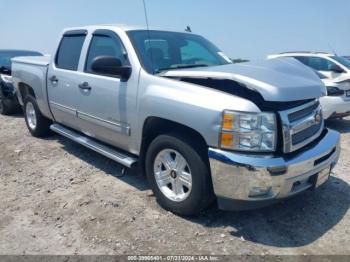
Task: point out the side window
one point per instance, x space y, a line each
68 54
321 64
105 46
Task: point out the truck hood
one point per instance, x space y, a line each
277 79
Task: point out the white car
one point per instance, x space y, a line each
337 102
332 66
335 74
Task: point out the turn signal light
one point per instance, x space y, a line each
227 121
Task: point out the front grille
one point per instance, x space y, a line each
305 134
301 125
303 112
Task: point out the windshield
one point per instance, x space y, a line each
6 56
160 50
342 60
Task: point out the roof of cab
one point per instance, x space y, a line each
18 50
122 27
302 53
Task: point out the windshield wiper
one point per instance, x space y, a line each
180 67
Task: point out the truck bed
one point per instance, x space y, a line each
33 60
32 71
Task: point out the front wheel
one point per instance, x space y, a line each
179 175
38 125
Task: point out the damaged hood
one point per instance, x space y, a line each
275 79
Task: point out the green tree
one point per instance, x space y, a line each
239 60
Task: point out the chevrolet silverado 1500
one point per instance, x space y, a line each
203 129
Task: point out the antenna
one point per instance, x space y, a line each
149 35
145 10
329 45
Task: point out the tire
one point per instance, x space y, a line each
199 195
4 109
37 124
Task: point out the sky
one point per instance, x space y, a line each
249 29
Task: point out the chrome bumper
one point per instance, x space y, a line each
243 181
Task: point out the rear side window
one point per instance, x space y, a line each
69 52
105 46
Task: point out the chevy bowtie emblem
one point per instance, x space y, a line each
318 117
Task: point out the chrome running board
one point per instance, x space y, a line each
105 150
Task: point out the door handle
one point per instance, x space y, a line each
53 79
85 86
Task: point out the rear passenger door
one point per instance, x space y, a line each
102 107
63 79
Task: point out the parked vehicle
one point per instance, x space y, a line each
246 135
335 74
332 66
336 104
8 98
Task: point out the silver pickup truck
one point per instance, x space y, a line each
202 128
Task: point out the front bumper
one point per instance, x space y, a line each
243 181
334 106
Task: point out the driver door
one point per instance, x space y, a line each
102 103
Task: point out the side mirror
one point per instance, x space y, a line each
336 69
111 66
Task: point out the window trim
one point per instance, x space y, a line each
75 32
105 33
71 33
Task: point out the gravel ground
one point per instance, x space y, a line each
60 198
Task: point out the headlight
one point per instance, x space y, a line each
6 78
334 91
256 132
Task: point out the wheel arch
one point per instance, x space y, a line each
155 126
25 90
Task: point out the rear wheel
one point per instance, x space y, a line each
38 125
179 175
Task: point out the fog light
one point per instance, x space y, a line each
227 139
277 171
259 191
